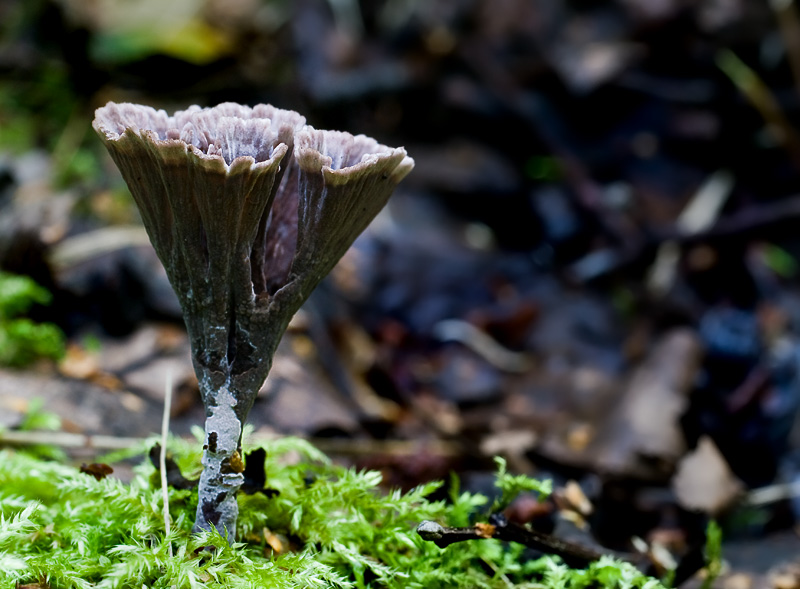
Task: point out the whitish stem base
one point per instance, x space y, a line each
222 467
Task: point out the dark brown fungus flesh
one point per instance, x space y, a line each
248 209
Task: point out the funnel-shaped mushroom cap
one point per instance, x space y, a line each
203 180
230 229
345 181
218 135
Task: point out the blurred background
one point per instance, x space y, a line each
592 270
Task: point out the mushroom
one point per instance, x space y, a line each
248 209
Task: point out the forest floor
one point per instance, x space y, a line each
593 270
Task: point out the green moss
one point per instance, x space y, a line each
512 485
335 526
22 340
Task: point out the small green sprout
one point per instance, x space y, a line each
512 485
713 554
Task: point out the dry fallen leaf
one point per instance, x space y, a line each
704 481
97 469
79 363
574 494
273 541
82 364
647 421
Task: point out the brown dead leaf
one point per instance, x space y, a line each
79 363
508 441
107 381
580 436
738 581
577 498
170 338
786 577
97 469
273 542
646 422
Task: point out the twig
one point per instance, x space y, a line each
162 457
68 440
546 124
699 215
80 248
751 220
572 554
356 447
763 100
347 447
482 344
789 25
773 493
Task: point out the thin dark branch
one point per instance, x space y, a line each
749 222
500 528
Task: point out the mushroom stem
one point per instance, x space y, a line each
229 389
222 463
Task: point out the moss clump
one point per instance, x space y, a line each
21 340
328 527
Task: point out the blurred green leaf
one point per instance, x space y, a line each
543 167
779 260
195 42
18 294
36 418
21 340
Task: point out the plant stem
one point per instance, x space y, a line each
162 457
